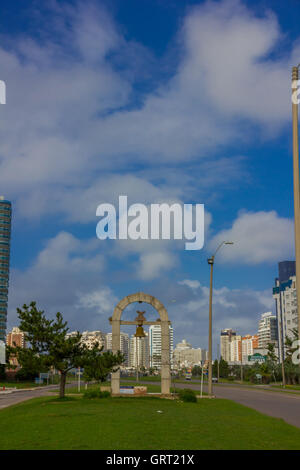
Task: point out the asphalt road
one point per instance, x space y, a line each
23 395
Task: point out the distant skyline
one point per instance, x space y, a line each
184 101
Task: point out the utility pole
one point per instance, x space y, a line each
241 358
281 350
137 359
218 362
79 373
295 79
211 261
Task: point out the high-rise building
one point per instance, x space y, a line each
285 295
155 345
267 330
227 336
90 338
15 337
124 345
241 347
236 349
249 344
139 351
187 356
5 230
286 269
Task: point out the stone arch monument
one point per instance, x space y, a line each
163 320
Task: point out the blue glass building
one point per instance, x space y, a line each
5 230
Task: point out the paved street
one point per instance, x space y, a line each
17 397
23 395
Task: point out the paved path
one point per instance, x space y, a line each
23 395
17 397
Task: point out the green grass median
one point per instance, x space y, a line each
141 423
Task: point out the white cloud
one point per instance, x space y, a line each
65 269
102 300
71 276
239 309
228 48
71 112
152 265
190 283
258 237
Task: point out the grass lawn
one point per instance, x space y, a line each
288 387
134 423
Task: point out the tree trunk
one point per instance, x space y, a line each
63 377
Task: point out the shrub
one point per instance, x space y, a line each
266 378
25 375
187 395
96 394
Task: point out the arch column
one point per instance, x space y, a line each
165 358
115 376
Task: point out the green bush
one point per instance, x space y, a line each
266 378
187 395
96 394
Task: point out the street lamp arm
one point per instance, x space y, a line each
212 258
221 244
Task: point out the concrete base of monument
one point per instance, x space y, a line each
206 396
168 396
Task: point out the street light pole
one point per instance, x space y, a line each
218 363
295 78
211 263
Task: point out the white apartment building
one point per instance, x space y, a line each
227 336
235 349
90 338
155 345
187 356
124 345
285 296
139 351
249 346
267 330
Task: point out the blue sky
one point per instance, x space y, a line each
183 101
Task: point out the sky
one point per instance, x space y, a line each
163 101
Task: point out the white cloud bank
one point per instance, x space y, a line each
72 112
258 237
